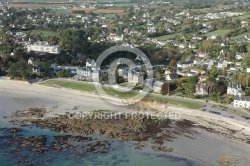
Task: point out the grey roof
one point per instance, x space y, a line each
90 60
185 62
242 98
234 85
85 69
190 72
221 61
208 60
173 76
239 53
158 83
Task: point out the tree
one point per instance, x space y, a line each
118 78
104 77
190 86
211 82
165 88
172 63
221 88
246 59
20 69
46 68
157 75
62 73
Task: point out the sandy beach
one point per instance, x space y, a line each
227 139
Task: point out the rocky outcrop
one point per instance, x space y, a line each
126 128
32 112
18 146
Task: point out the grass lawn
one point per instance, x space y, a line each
45 33
165 37
87 87
187 104
159 23
70 84
60 11
218 32
109 15
243 17
124 4
241 35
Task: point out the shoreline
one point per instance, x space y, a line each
64 100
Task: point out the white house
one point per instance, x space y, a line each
201 89
184 65
115 37
43 47
31 61
234 89
248 69
198 71
135 77
222 64
196 37
239 55
123 72
209 63
84 72
242 101
157 86
90 63
20 35
247 37
192 45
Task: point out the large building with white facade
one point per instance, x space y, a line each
242 101
43 47
234 89
135 77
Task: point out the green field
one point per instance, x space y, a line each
218 32
72 85
60 11
44 33
165 37
241 36
109 15
186 104
243 17
87 87
124 4
113 1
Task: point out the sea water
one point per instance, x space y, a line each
122 153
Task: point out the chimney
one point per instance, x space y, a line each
240 95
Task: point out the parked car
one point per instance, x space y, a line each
247 118
214 112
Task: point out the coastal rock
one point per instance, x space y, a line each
32 112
